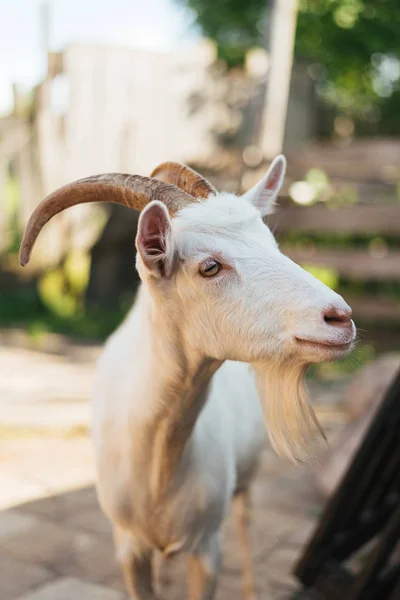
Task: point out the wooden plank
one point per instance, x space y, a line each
358 265
380 219
363 160
374 308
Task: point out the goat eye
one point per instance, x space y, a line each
209 268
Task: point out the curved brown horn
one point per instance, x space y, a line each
185 178
134 191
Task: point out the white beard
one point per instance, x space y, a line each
292 425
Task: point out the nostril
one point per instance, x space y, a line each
337 318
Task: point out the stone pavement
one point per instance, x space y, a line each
58 545
44 420
60 548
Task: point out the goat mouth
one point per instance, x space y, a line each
327 347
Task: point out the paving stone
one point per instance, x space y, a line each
59 507
279 566
73 589
115 581
91 520
90 558
271 465
292 492
45 544
268 529
229 588
284 591
65 551
15 522
17 578
300 535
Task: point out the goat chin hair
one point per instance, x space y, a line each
292 425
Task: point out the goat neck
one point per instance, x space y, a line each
178 379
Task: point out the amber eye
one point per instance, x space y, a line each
209 268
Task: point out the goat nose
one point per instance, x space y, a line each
338 317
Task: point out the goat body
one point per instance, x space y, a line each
155 501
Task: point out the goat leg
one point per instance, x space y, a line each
136 563
160 572
203 570
241 512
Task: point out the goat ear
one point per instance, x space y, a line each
154 239
265 192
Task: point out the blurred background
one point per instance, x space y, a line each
93 86
90 87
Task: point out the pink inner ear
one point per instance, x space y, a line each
273 178
153 232
152 239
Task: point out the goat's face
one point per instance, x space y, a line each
237 296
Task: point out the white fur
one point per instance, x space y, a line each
177 423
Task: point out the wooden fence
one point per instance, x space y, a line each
366 262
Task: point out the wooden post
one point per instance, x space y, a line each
283 30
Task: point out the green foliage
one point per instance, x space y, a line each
56 304
62 289
235 25
328 276
16 306
353 47
25 308
53 290
318 179
11 195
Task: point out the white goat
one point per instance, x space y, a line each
177 422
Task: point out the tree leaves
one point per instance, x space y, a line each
345 37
